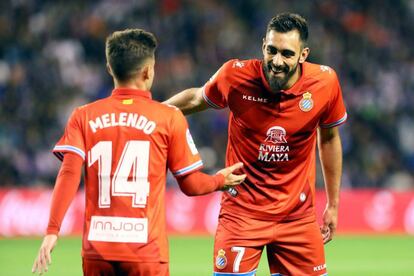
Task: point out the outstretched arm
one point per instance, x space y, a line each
198 183
189 101
330 154
67 183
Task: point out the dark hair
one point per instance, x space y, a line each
286 22
126 51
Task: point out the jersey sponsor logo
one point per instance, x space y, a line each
221 260
191 143
118 229
319 267
123 119
274 148
306 103
254 99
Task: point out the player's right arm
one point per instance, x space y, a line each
189 101
212 95
185 162
199 183
67 183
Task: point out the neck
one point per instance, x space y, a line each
131 85
295 77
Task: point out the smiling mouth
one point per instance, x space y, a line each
276 71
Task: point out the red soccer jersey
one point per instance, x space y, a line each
128 141
274 136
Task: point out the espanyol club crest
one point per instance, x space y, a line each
221 260
306 103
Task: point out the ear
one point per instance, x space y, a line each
263 44
145 72
304 54
108 68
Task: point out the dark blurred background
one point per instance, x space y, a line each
52 60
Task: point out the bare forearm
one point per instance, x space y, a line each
330 154
189 101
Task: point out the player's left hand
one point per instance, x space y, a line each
330 220
43 259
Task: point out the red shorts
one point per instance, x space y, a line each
293 247
94 267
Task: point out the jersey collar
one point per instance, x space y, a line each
131 92
296 89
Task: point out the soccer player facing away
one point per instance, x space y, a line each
280 108
125 143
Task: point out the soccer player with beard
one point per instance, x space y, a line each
281 107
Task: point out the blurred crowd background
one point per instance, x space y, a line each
52 60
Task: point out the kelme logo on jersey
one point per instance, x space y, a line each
306 104
274 147
221 260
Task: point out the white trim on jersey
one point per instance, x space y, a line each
340 121
250 273
60 150
188 169
210 102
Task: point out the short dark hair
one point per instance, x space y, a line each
286 22
126 51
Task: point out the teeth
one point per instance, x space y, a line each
276 71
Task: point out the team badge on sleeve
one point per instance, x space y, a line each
306 103
221 260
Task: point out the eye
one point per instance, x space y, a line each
271 50
288 53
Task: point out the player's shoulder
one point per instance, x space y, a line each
163 112
238 68
320 72
240 65
95 105
165 108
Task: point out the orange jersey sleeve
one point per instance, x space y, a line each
216 90
335 113
198 183
72 139
67 183
183 156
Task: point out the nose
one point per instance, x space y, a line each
277 59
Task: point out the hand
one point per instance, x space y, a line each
330 221
231 179
43 259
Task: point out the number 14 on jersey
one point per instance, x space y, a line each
134 161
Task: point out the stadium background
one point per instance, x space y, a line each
52 59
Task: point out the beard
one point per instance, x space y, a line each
277 83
